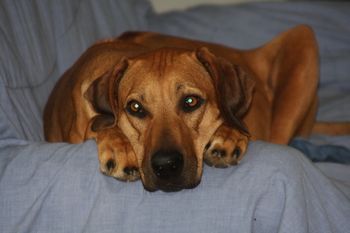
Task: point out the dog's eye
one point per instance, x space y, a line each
191 103
136 109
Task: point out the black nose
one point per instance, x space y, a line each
167 165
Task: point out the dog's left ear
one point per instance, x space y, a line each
102 95
233 87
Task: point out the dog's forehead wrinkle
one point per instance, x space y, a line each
179 86
141 90
158 60
142 97
138 96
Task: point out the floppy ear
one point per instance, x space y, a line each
233 87
102 95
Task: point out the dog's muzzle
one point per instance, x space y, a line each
170 170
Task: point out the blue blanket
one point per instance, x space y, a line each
322 153
274 189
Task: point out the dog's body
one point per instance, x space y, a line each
157 105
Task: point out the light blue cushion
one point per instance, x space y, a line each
59 189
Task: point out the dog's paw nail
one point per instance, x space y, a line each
207 146
236 153
110 165
131 171
218 153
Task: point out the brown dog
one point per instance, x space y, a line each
158 105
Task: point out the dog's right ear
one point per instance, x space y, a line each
102 93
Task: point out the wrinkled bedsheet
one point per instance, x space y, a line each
56 187
275 189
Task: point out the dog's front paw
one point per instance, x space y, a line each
226 147
116 156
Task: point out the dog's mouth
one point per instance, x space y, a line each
170 187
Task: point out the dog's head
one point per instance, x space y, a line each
168 103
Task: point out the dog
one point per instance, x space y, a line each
158 105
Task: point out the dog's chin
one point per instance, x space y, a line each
170 187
